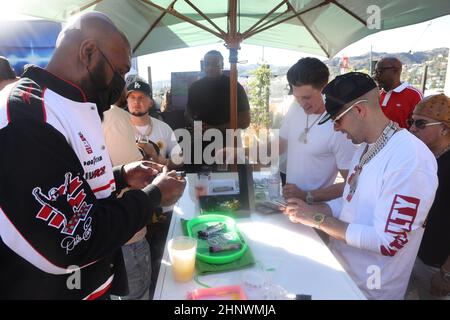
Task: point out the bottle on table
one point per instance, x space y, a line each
274 184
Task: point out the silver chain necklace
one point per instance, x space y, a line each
142 137
304 136
443 151
369 154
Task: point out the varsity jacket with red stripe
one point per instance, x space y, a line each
61 225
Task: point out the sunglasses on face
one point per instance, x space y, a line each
381 70
420 123
339 117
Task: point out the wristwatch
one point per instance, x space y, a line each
318 218
445 275
309 198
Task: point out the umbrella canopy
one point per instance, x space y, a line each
320 27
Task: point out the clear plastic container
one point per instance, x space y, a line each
202 184
274 184
255 285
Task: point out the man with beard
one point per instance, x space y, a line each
157 143
397 99
119 134
122 149
53 147
154 137
376 227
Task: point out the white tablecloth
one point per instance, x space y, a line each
292 255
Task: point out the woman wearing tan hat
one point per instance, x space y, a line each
430 278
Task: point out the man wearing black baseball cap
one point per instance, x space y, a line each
376 227
157 142
155 137
139 85
344 89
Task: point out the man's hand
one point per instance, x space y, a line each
170 186
439 287
141 173
290 190
299 211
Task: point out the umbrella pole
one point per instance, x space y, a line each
233 42
233 48
233 87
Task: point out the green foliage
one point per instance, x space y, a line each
259 92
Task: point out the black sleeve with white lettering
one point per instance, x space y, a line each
50 215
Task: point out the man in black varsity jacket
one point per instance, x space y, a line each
59 216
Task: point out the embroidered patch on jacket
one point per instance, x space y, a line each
63 206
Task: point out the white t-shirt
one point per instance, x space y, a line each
119 137
314 165
163 136
394 193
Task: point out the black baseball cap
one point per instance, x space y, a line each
344 89
139 85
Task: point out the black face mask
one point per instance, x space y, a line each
107 97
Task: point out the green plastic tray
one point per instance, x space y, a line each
203 254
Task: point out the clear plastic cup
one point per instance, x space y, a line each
182 251
277 292
255 285
202 184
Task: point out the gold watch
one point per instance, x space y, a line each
318 218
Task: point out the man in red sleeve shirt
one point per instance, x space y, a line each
397 99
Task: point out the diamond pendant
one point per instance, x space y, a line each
303 137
